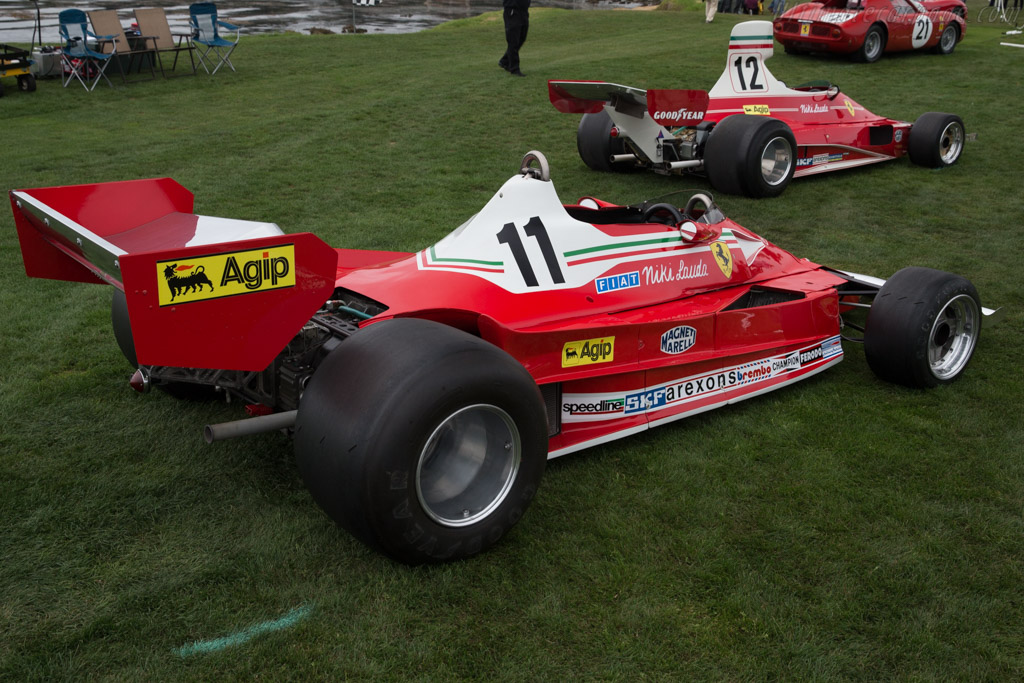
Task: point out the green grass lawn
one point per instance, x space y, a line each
843 528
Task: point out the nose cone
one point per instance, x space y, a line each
139 382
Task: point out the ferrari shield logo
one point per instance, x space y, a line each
723 257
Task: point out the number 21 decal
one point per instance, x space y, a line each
922 31
534 228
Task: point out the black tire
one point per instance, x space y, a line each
736 152
936 140
27 83
596 145
373 425
187 391
947 41
873 46
1 89
922 328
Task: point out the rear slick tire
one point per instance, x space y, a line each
922 328
423 441
936 140
750 155
596 145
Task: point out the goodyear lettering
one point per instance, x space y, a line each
678 339
757 109
198 278
588 352
682 114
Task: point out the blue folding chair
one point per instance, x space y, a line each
78 60
206 32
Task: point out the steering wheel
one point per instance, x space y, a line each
660 207
542 172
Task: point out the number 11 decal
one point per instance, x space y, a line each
534 228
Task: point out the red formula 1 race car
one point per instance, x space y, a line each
867 28
751 134
426 391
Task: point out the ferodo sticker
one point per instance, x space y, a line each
757 109
588 352
198 278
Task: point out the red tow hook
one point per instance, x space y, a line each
140 382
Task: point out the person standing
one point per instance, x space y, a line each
710 8
517 21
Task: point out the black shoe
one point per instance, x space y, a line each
502 64
517 72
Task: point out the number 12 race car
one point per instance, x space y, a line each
426 391
751 134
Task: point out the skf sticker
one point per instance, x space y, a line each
723 257
216 276
757 109
849 107
588 352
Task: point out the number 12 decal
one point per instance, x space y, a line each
750 64
534 228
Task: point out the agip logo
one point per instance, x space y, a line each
588 352
220 275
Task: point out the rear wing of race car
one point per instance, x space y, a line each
667 107
202 291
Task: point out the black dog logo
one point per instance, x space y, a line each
184 285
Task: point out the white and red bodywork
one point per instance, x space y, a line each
831 129
840 26
624 324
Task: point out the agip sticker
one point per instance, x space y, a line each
588 352
216 276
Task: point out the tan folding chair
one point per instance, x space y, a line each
105 22
153 22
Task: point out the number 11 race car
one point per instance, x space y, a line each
425 391
751 134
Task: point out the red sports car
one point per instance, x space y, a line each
751 133
425 391
867 28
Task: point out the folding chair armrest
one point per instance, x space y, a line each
224 24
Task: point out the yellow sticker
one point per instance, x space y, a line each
723 257
849 107
198 278
588 352
805 29
757 109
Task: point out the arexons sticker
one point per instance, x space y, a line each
588 352
220 275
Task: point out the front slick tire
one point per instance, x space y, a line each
425 442
922 328
936 140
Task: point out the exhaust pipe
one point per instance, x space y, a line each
247 427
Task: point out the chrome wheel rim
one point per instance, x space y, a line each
468 465
948 39
776 161
953 336
951 142
872 45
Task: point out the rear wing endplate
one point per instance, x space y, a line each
202 291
